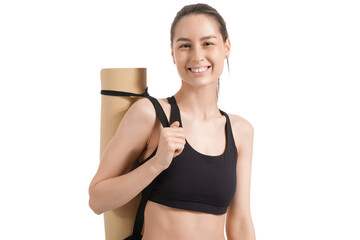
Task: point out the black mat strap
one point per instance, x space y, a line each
121 93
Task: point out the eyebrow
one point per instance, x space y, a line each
186 39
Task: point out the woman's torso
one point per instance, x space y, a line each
163 222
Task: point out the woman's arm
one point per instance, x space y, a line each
115 192
113 185
239 225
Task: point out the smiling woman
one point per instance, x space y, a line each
212 22
195 159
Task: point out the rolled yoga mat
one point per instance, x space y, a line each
119 222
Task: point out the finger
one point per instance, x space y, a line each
179 142
175 124
179 147
178 135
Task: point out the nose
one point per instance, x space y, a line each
197 54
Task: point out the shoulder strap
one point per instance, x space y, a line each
159 111
122 93
139 219
175 111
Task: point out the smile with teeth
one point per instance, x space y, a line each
202 69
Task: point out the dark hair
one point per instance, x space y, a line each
201 8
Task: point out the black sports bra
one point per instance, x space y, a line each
195 181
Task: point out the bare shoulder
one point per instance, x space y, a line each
243 130
147 109
144 109
143 106
143 113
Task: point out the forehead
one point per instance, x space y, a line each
196 26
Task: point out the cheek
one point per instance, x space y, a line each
218 60
218 52
180 57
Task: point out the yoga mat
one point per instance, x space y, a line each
119 222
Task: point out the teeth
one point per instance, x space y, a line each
199 69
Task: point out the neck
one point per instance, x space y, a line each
198 102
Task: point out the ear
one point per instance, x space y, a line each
172 52
227 47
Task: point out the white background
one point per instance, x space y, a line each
294 75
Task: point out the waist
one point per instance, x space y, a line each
161 221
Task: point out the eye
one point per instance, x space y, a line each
208 43
182 46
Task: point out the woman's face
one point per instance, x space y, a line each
198 46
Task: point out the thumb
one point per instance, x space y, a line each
175 124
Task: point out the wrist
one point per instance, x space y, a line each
155 166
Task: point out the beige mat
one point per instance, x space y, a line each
119 222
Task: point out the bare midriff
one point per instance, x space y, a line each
163 223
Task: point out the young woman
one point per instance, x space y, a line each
202 162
